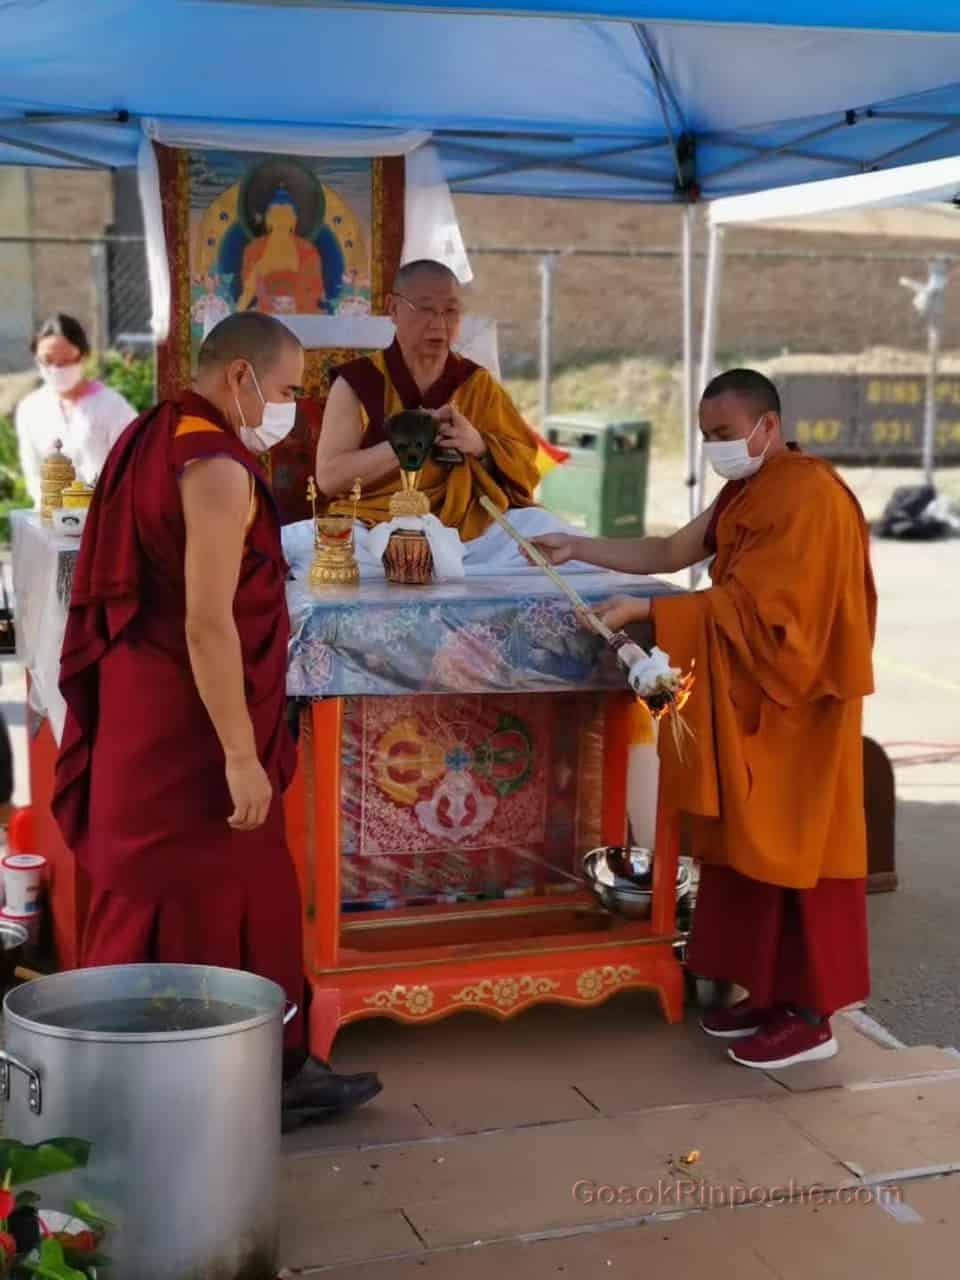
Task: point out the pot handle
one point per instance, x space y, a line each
291 1012
35 1097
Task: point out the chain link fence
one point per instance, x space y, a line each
577 324
587 328
102 281
830 320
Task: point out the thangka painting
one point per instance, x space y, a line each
299 237
460 798
289 236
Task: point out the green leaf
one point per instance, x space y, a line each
27 1164
52 1265
88 1215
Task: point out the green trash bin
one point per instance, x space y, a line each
602 487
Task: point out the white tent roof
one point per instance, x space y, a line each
916 201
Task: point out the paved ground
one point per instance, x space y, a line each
916 941
572 1144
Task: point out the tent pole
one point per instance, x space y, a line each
547 263
930 404
689 214
708 339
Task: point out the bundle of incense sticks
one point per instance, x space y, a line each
663 688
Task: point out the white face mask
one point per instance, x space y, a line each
61 378
731 459
278 420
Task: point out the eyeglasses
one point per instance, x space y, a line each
448 316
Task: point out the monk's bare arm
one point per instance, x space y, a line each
340 460
216 504
633 555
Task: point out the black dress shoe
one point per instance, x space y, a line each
326 1068
317 1092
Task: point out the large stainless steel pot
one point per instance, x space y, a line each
185 1124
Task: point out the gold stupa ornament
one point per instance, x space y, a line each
409 500
56 475
334 554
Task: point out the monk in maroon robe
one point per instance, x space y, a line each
176 751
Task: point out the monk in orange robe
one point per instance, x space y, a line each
772 783
485 446
176 751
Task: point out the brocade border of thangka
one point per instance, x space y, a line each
173 356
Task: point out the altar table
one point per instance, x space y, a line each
461 746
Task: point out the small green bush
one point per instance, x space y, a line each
131 375
13 492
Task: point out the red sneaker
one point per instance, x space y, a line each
785 1043
738 1020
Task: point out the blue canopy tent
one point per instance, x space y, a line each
657 100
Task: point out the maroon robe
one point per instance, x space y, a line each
368 385
140 790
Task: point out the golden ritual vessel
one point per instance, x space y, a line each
408 559
334 557
56 475
77 495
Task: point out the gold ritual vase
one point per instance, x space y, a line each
334 557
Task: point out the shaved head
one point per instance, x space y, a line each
425 267
758 391
246 362
249 335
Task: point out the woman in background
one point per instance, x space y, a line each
86 416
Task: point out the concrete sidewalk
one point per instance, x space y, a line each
496 1148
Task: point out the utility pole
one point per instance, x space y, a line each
929 301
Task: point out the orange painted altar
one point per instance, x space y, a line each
420 963
462 746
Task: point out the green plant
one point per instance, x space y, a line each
27 1248
131 375
13 491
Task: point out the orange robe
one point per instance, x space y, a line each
782 644
304 285
509 476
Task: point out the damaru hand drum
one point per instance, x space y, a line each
408 558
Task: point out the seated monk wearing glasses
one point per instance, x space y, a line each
484 447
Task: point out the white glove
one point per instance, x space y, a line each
647 671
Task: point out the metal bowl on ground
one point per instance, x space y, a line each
631 898
13 940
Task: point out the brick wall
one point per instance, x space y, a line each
606 305
67 203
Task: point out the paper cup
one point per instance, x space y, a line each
23 875
30 922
